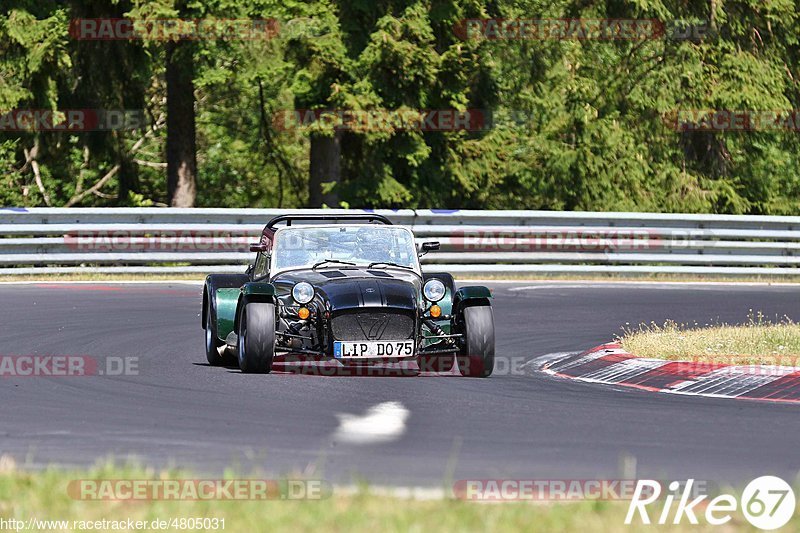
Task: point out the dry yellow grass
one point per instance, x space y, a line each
758 341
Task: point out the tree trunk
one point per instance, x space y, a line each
325 171
128 180
181 149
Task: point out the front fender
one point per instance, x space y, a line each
470 295
252 292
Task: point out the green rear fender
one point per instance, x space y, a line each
213 285
227 300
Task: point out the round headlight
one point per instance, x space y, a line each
303 293
433 290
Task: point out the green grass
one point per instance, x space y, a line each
758 341
43 495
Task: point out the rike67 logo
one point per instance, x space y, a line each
767 502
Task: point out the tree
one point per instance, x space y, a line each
181 147
571 124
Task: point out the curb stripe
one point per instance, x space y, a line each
783 388
722 383
627 370
610 364
673 373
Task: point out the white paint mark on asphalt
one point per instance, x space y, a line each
384 422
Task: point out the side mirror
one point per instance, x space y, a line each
429 247
258 247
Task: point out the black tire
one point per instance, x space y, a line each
256 343
212 342
476 359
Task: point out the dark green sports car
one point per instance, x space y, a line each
346 288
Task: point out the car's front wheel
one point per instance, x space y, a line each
256 337
476 359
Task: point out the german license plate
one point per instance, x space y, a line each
367 349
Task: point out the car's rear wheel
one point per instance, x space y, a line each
212 342
476 359
256 337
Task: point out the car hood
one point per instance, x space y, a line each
353 288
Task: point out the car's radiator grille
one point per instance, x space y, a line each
372 326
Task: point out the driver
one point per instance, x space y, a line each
373 245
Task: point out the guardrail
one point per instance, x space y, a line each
159 240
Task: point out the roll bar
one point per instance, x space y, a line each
366 217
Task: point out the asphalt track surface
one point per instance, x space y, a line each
520 425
